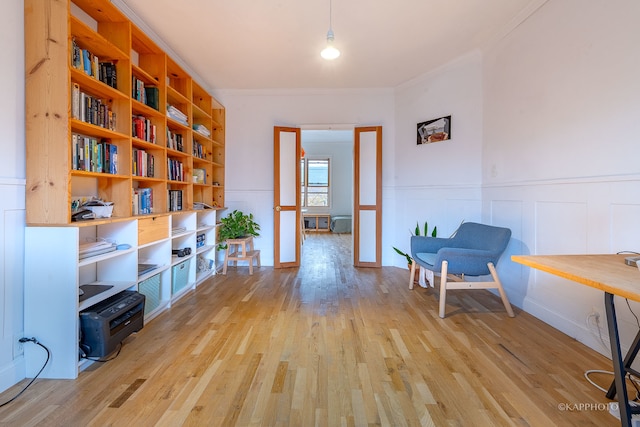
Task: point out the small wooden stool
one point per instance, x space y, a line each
240 250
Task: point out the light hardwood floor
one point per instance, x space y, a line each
328 345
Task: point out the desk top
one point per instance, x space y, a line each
608 273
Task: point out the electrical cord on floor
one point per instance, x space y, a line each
105 360
634 381
35 341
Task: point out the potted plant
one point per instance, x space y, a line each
236 225
434 233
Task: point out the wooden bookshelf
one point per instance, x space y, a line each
78 120
147 83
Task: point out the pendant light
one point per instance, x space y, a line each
330 52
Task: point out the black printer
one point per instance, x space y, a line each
105 325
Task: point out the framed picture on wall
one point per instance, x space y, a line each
435 130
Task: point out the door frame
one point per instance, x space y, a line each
356 209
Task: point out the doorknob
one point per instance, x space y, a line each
278 208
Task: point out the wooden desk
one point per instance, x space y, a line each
610 274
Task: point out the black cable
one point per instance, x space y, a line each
35 341
634 315
105 360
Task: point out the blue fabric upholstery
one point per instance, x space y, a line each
468 252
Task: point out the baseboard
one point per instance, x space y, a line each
577 331
12 373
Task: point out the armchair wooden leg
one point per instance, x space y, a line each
412 275
503 294
443 288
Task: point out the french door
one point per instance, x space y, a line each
286 197
367 209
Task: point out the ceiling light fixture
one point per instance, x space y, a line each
330 52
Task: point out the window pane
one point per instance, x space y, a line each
318 172
318 196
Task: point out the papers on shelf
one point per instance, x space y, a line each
95 248
202 129
201 205
177 115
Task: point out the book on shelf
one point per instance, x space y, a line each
199 150
75 100
142 201
85 60
175 200
175 170
174 141
143 163
152 94
91 109
143 128
89 154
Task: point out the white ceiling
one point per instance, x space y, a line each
276 44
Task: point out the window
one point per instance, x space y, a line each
314 183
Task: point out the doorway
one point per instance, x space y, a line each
326 187
367 196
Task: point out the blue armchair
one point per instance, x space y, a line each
474 250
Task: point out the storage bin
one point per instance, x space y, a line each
152 290
180 276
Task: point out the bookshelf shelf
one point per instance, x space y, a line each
94 41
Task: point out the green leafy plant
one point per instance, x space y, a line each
434 233
236 225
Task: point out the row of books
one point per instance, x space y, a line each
174 141
143 163
148 95
90 155
91 109
175 170
142 201
199 150
175 200
202 130
83 59
177 115
142 128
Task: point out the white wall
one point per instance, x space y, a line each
12 190
439 182
545 141
561 153
251 116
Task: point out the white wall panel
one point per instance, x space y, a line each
288 226
368 173
367 236
288 165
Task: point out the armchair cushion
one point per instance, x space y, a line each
468 252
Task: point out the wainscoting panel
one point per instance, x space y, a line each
12 224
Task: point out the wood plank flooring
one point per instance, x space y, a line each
328 345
